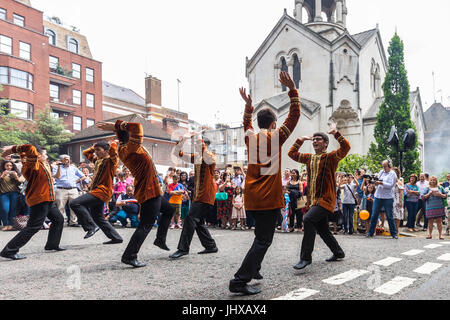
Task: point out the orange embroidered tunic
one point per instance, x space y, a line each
38 175
315 164
136 158
263 189
205 166
105 169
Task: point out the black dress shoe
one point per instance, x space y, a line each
161 245
13 256
336 257
207 251
258 276
113 242
133 262
59 249
244 289
302 264
91 233
178 254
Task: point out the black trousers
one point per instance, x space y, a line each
89 211
195 222
264 231
316 220
38 213
150 210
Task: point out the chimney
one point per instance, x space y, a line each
153 91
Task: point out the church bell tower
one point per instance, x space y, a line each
322 16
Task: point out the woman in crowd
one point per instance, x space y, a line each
10 181
435 209
286 177
238 212
128 177
225 207
295 187
398 199
85 184
168 179
286 210
186 200
412 194
349 202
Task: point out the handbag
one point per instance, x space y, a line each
20 222
356 201
301 203
221 196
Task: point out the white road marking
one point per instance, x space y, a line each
344 277
445 257
387 262
413 252
433 246
428 268
395 285
299 294
446 242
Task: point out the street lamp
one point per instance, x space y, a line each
409 142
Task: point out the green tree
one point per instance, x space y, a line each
395 110
48 132
9 135
355 162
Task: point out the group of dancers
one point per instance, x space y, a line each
263 197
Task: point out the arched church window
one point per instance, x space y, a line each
284 67
297 71
51 36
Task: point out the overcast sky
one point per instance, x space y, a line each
204 44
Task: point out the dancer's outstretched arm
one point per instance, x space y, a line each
294 153
344 145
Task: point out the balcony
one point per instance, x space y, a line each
66 103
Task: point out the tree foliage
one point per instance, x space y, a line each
48 132
9 135
395 110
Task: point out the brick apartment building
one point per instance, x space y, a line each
43 63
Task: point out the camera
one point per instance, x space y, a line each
372 178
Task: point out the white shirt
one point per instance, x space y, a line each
387 189
349 189
423 187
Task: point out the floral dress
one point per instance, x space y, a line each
224 208
435 208
398 211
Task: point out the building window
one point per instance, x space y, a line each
73 45
76 97
25 50
54 115
90 123
90 100
54 63
76 123
284 67
76 71
51 36
20 109
5 44
19 20
2 14
54 92
16 78
89 75
297 71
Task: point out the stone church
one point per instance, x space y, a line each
339 75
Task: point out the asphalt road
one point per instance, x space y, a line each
90 270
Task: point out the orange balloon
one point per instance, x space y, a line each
364 215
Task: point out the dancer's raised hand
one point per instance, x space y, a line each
247 98
286 80
105 126
6 151
333 129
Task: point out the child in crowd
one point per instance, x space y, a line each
238 212
369 196
176 192
287 200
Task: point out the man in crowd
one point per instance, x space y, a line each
384 198
128 208
322 188
263 190
238 178
148 190
40 198
66 179
203 198
89 207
